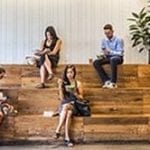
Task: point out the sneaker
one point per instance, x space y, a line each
112 86
106 84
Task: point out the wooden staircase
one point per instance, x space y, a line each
117 114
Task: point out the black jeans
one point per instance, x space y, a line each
113 61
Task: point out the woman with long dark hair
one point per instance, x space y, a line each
69 90
49 53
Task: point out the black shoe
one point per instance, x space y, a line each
50 76
57 135
40 86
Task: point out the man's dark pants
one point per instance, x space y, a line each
113 61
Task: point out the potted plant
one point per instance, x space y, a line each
140 29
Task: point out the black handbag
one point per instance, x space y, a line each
82 107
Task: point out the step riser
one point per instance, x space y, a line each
33 127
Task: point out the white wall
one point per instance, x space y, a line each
78 22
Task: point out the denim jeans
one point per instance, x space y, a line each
113 61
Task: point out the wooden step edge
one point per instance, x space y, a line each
119 116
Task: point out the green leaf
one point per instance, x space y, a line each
131 19
135 43
141 49
135 15
134 29
147 18
133 26
135 37
143 15
138 33
144 22
141 12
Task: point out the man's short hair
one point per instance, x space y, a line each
2 70
108 27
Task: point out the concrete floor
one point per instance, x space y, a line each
82 147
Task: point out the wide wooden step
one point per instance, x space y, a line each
36 126
28 76
102 101
36 101
33 127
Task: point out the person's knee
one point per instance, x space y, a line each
69 112
66 107
114 60
42 66
96 63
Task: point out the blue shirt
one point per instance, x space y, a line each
115 45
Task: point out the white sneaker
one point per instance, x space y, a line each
112 85
106 84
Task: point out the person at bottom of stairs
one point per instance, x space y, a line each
69 90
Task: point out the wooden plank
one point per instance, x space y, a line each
116 121
13 76
116 132
143 71
37 93
144 81
37 106
37 125
117 109
146 99
94 102
118 129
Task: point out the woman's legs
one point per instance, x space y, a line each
67 124
65 117
62 118
42 74
48 65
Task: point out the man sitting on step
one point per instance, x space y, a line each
112 48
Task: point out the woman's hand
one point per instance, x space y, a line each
60 83
37 52
107 52
42 52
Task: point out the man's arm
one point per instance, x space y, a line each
104 47
119 48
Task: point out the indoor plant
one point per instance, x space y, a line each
140 29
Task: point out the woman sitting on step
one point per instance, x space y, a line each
69 89
49 55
